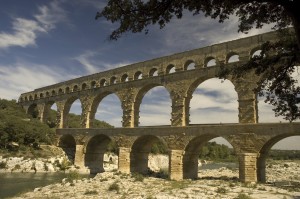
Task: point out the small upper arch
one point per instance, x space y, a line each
53 93
41 95
83 86
113 80
210 61
103 82
124 78
93 84
60 91
189 65
75 88
138 75
67 90
153 72
232 57
170 69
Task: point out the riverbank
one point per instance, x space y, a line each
217 183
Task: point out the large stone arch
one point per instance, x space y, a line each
138 100
96 102
67 107
95 148
191 154
263 154
46 113
200 81
68 144
140 150
33 110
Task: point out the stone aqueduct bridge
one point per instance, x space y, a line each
250 139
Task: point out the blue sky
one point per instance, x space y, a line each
45 42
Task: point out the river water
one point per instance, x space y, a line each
12 184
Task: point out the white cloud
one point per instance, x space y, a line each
25 31
85 60
24 77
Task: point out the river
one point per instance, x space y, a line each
12 184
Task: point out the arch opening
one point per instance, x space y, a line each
153 72
75 88
83 86
33 111
124 78
280 152
233 58
154 106
189 65
170 69
72 113
106 111
213 102
68 145
103 82
206 156
113 80
138 75
98 155
93 84
210 61
142 161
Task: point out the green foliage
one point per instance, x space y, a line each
90 192
3 165
138 177
64 165
73 175
242 196
221 190
284 154
114 187
159 148
21 129
216 152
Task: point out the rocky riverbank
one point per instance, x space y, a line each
283 182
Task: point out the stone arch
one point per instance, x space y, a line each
94 153
124 78
232 57
95 104
53 93
140 151
103 82
254 51
67 108
170 69
210 61
83 86
51 122
75 88
47 94
30 97
113 80
35 96
215 95
153 72
33 110
192 152
41 95
138 100
263 154
68 145
60 91
67 90
138 75
189 65
93 84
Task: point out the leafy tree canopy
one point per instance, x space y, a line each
276 63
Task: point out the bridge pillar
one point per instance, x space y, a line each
248 112
180 105
124 160
261 168
61 117
79 156
248 167
176 164
127 102
41 109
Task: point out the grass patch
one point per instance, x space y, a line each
221 190
138 177
73 175
90 192
114 187
242 196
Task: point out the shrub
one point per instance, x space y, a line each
3 165
138 177
17 167
242 196
221 190
90 192
114 187
73 175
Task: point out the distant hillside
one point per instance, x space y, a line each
19 130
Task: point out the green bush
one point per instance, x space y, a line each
73 175
114 187
3 165
90 192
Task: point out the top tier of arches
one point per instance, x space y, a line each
211 56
